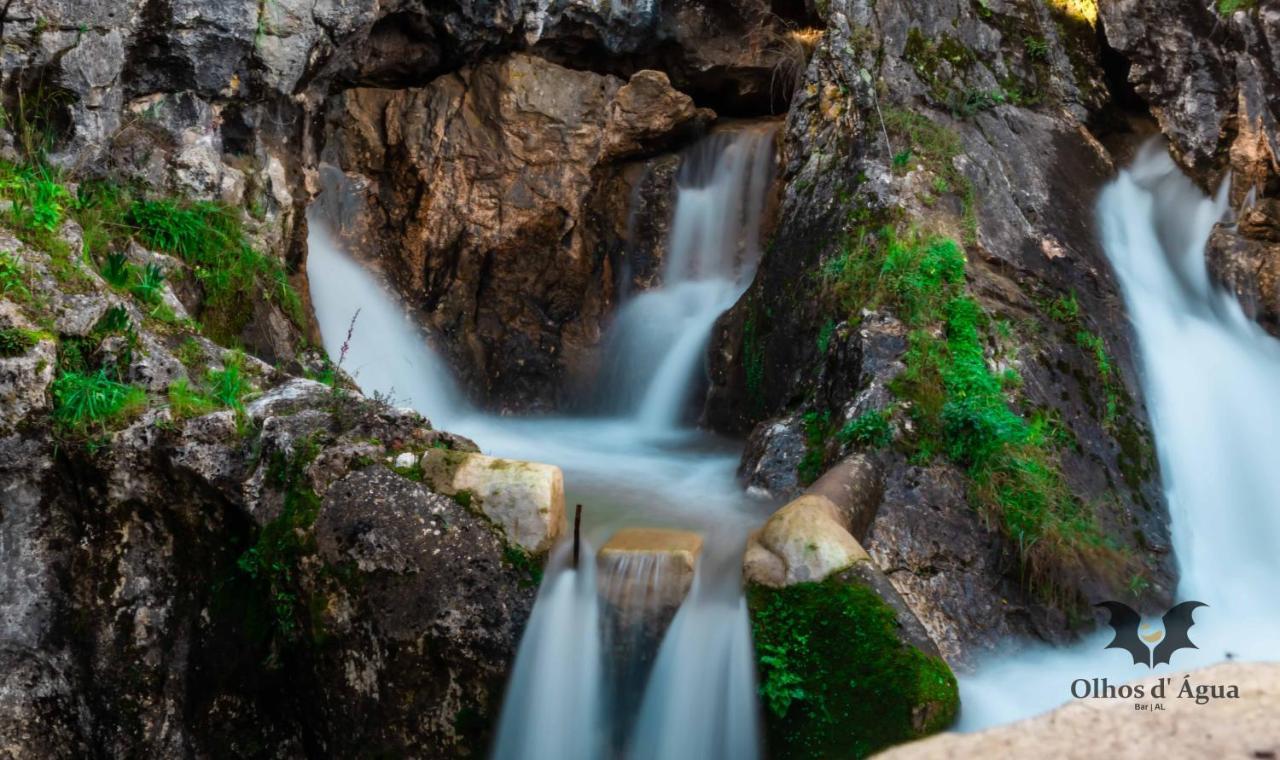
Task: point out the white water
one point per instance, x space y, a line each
387 352
642 466
656 346
1211 377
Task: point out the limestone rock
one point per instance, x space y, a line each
1089 728
493 169
806 540
524 499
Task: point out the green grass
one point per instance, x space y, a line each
210 238
959 407
149 287
38 196
817 429
835 679
86 400
228 385
938 146
186 402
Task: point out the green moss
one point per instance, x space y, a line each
938 62
824 336
817 429
525 564
836 679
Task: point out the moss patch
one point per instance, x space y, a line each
836 679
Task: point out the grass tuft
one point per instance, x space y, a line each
83 400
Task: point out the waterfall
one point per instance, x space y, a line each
659 339
386 352
1210 379
581 688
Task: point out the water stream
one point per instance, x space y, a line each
1210 379
637 461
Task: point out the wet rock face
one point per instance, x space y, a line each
479 190
1013 177
1212 82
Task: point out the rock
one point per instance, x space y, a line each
644 575
1088 728
434 615
24 384
845 668
1245 259
670 557
773 453
855 486
493 168
807 540
524 499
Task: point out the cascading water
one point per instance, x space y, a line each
659 339
633 466
1210 376
386 352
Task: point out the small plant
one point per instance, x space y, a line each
228 384
39 199
117 270
13 277
817 429
901 160
870 429
115 320
85 399
1037 48
150 286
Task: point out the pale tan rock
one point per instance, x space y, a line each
1246 727
806 540
524 499
672 558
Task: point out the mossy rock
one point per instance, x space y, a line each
843 673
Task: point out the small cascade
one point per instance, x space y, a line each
640 593
385 351
554 702
657 343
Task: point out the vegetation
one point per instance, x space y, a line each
14 341
1227 7
84 400
958 405
528 567
228 384
835 679
186 401
817 429
271 566
870 429
13 278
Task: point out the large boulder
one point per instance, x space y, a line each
845 666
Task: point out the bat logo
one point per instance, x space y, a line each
1133 636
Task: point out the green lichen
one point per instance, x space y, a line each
836 679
